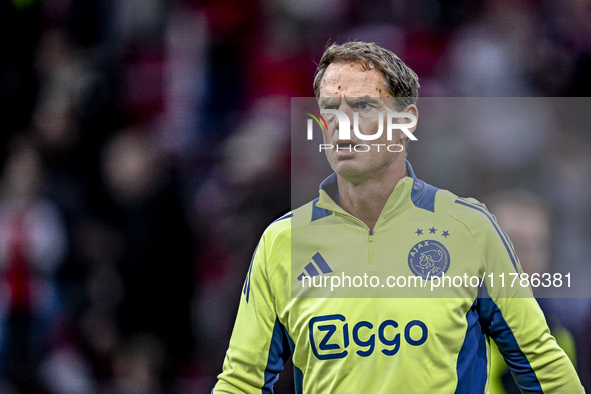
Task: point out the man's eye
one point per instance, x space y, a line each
331 106
363 105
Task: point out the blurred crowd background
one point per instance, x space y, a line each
145 146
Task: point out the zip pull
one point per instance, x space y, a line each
370 248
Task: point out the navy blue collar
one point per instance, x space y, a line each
422 194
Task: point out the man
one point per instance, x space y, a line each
374 217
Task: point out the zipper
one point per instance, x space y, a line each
371 247
370 238
371 232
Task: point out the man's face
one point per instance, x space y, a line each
351 89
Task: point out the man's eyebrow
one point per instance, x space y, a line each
365 98
376 101
323 101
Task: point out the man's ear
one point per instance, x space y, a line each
415 111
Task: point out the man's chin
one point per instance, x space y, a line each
349 170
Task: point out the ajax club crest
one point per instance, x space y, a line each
428 259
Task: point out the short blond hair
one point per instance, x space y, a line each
400 81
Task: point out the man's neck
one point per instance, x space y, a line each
366 200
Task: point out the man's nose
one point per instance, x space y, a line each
348 111
346 108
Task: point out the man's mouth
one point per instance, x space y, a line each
346 145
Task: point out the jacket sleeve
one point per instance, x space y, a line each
258 347
511 316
